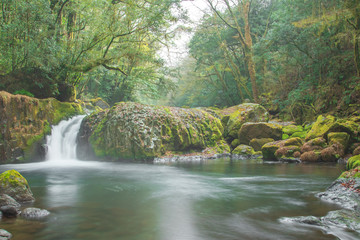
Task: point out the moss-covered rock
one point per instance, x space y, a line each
291 129
299 135
287 152
243 150
15 185
353 162
316 144
332 153
320 127
251 130
132 131
234 117
341 138
99 102
257 143
281 149
235 143
25 121
311 156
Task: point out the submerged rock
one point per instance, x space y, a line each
15 185
133 131
9 207
5 235
34 213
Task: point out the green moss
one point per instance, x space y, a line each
353 162
341 138
301 135
320 127
243 150
285 136
291 129
12 178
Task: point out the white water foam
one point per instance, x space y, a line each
61 143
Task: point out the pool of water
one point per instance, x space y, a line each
208 200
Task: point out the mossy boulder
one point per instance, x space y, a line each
99 102
332 153
269 149
341 138
234 117
12 183
281 149
311 156
329 124
257 143
321 127
287 152
235 143
291 129
353 162
244 150
133 131
24 123
299 135
251 130
316 144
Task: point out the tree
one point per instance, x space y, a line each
66 39
243 33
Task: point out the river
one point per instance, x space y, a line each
213 199
220 199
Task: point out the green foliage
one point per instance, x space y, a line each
24 92
69 39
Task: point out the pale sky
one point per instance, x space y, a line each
174 54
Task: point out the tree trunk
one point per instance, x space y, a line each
248 51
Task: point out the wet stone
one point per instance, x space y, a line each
34 213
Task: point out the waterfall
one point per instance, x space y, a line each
61 144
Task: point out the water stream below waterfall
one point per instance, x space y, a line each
209 200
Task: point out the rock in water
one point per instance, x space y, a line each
4 235
16 186
34 213
133 131
8 206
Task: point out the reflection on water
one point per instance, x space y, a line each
208 200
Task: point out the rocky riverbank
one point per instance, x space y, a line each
15 191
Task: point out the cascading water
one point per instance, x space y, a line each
61 143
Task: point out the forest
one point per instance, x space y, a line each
298 58
179 119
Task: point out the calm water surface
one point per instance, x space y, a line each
209 200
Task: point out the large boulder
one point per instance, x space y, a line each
251 130
12 183
340 138
321 127
133 131
24 123
234 117
257 143
329 124
283 149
